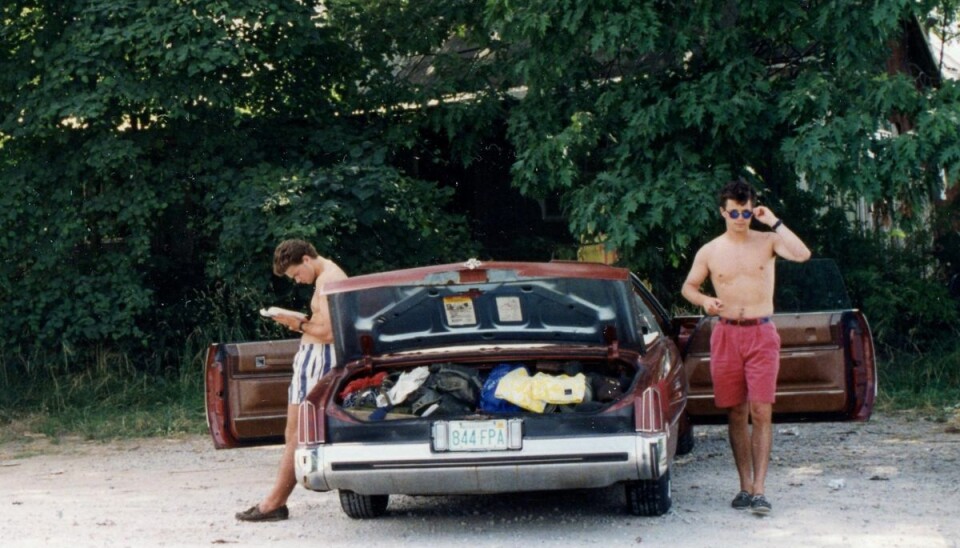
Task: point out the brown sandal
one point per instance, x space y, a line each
254 514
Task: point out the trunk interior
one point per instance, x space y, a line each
537 387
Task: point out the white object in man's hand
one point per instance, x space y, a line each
275 311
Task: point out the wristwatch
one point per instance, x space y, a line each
776 225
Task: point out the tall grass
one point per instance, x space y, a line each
927 381
102 393
107 400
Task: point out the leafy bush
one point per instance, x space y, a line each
896 281
365 218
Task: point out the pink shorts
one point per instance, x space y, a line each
744 362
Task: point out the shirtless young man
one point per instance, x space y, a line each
299 261
744 345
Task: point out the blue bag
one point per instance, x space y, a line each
489 402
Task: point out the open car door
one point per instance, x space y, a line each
827 363
246 391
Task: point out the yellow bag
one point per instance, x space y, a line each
534 393
559 389
515 388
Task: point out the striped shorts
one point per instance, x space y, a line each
312 361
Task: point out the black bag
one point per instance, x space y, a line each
606 389
450 390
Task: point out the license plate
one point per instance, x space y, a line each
488 435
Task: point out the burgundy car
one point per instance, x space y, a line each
504 377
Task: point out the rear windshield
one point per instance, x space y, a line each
813 286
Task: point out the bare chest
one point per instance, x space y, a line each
732 269
733 264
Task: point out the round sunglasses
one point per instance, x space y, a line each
735 214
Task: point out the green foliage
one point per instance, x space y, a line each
638 112
928 381
104 403
132 131
366 219
908 310
153 153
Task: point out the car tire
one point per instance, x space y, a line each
685 440
649 497
359 506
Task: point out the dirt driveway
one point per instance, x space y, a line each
894 481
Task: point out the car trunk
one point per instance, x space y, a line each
459 429
469 388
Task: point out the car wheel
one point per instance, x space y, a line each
359 506
649 497
685 440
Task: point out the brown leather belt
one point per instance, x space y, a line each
745 323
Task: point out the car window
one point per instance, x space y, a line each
649 327
813 286
653 317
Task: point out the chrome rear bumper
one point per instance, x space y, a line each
542 464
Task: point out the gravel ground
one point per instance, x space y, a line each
894 481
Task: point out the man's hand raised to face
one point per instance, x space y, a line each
764 215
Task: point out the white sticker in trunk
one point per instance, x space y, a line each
508 309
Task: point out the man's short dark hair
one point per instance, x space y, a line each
739 191
290 253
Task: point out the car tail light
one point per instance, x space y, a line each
312 426
862 362
648 411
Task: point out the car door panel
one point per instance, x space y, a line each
827 368
246 391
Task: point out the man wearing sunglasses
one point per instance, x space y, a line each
744 344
